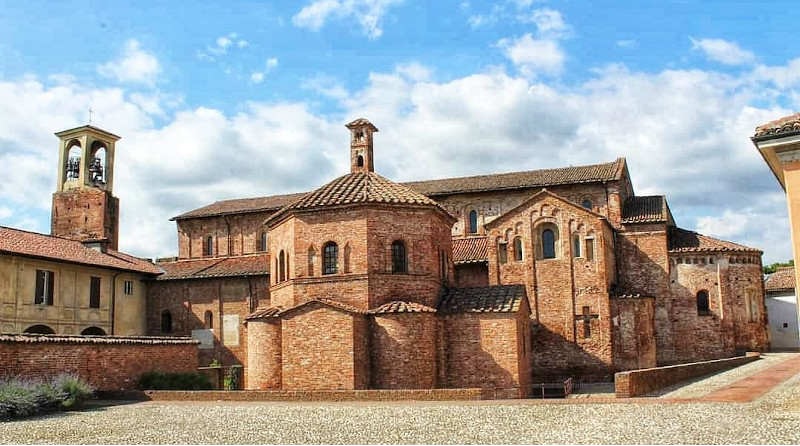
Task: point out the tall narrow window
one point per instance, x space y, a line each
576 245
548 244
128 287
281 266
502 252
166 322
94 293
473 222
702 303
262 245
589 248
44 287
330 255
399 264
208 246
518 249
208 319
360 161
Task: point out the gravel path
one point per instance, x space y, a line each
772 419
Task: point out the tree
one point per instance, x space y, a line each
769 269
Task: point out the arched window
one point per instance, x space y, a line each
97 164
208 246
473 222
330 259
502 252
702 303
518 249
262 243
360 161
39 329
72 169
281 266
587 204
208 319
399 264
93 331
576 245
166 322
548 244
589 248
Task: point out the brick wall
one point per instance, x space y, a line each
641 382
471 275
83 214
263 355
403 348
108 363
633 332
232 234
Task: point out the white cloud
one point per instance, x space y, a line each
135 65
367 13
532 56
258 76
723 51
549 23
326 86
626 43
221 46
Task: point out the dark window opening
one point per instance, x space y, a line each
702 303
208 319
502 252
587 204
262 245
93 331
39 329
360 161
548 244
518 249
589 249
281 266
44 287
128 287
330 255
399 264
208 246
576 246
473 222
94 293
166 322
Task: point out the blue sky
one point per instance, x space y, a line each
235 99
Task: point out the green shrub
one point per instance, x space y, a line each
156 380
74 390
23 398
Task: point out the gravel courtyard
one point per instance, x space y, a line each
774 418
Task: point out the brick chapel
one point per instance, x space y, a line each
498 280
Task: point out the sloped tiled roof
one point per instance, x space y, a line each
250 265
357 188
488 299
682 240
470 250
785 125
781 280
400 306
265 313
447 186
58 249
646 209
241 206
327 302
518 180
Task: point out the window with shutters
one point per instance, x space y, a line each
44 287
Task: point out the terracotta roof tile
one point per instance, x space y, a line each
241 206
489 299
265 313
327 302
400 306
251 265
647 209
681 240
520 180
447 186
779 127
470 250
75 339
32 244
781 280
357 188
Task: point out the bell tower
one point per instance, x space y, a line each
361 132
84 207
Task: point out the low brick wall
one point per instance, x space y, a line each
331 395
108 363
641 382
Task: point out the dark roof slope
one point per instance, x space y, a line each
58 249
781 280
646 209
357 188
520 180
682 240
447 186
470 250
250 265
488 299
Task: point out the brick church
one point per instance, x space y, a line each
499 280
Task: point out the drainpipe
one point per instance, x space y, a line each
113 300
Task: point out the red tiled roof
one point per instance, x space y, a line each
250 265
521 180
647 209
681 240
781 280
488 299
265 313
470 250
241 206
447 186
785 125
357 188
32 244
400 306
